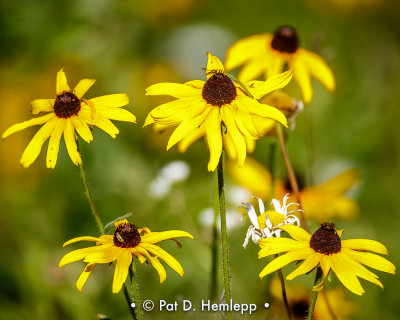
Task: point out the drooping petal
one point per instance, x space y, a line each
106 125
155 237
263 110
61 83
214 138
371 260
245 49
308 264
296 233
106 255
318 68
158 252
186 127
345 274
29 123
214 65
35 145
302 77
54 143
84 276
364 244
283 260
70 143
260 88
270 246
121 270
83 86
244 121
176 90
82 129
80 254
190 138
252 69
276 63
42 105
228 117
229 146
111 100
342 182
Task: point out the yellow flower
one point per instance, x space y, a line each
126 241
68 113
329 195
326 249
203 106
334 300
268 53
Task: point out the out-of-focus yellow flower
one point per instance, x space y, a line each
204 107
327 200
268 53
68 113
334 300
326 249
126 241
322 202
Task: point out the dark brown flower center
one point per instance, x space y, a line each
126 236
300 309
219 90
285 40
66 105
326 240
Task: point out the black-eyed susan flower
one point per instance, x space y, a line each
268 53
202 107
326 249
267 224
126 241
332 305
70 113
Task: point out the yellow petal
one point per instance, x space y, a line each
35 145
70 143
228 117
106 125
284 260
121 270
191 137
270 246
342 182
318 68
186 127
54 143
111 100
345 274
155 237
260 88
371 260
276 63
246 49
214 65
29 123
80 254
84 276
214 138
199 84
155 263
364 244
303 78
118 114
85 238
61 83
244 121
252 69
296 233
158 252
42 105
229 146
175 90
263 110
310 263
83 86
325 263
82 129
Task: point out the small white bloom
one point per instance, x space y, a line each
267 223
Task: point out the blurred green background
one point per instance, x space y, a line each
129 45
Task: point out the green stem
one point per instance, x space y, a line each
291 175
136 296
128 300
284 296
90 198
224 240
214 249
271 167
318 278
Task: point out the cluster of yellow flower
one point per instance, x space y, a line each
231 114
